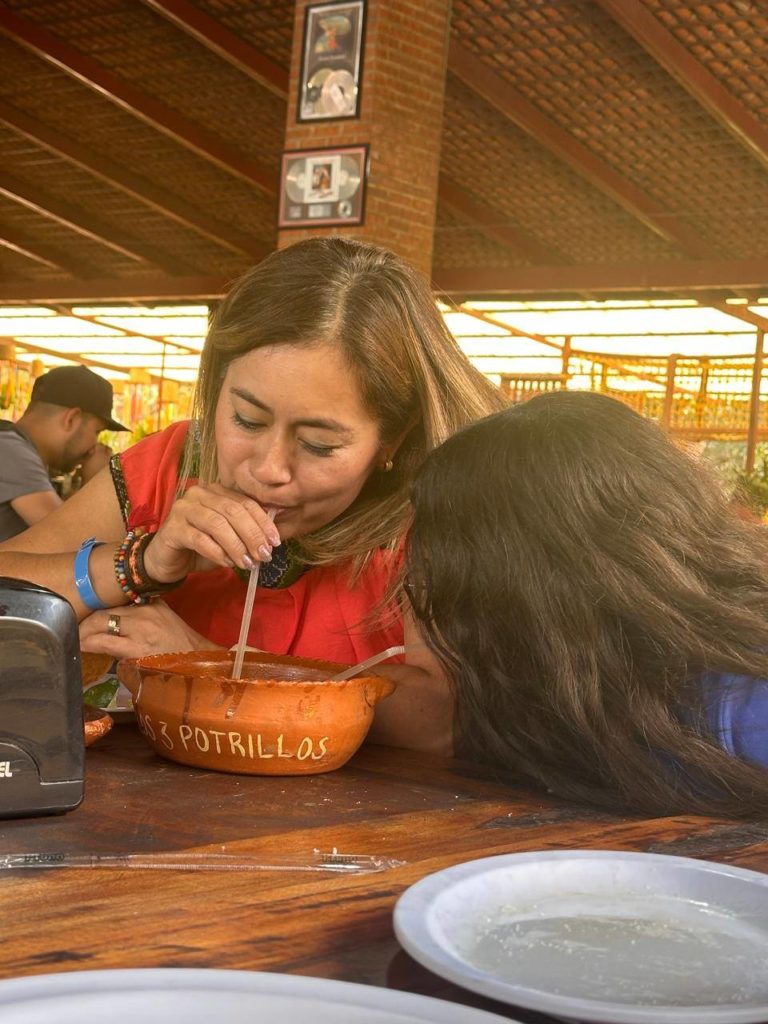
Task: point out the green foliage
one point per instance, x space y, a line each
727 458
752 488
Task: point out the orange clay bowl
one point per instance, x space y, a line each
283 717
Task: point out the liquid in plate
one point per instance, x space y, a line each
643 951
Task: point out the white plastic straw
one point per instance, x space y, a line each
373 660
245 625
342 863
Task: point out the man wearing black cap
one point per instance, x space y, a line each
59 430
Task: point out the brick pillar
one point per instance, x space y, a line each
401 118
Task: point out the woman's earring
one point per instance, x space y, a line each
388 466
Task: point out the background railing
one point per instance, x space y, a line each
695 398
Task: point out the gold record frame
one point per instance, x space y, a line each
321 187
331 61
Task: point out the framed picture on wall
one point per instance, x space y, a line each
323 186
331 61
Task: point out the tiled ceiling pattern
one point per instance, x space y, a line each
585 146
580 68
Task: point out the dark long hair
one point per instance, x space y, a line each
576 574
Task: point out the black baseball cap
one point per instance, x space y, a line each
77 387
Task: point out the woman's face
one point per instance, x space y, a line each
292 432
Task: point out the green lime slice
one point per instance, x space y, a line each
102 694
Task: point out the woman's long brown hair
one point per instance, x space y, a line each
577 574
381 313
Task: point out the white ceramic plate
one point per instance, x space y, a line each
630 938
167 995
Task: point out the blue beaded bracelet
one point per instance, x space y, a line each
82 578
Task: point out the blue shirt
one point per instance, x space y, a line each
736 710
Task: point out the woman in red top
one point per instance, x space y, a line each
326 378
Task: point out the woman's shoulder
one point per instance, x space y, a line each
161 453
146 475
159 444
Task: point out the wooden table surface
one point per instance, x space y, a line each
428 811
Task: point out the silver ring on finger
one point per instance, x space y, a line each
113 625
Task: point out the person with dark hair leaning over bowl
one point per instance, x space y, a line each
326 377
599 608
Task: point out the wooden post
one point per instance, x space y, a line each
669 395
701 398
566 369
160 389
754 403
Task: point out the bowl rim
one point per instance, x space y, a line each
161 664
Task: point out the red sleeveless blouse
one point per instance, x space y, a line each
318 616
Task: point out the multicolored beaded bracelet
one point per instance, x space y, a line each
120 570
130 572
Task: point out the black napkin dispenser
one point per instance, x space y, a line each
42 750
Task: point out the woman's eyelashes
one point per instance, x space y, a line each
322 451
241 421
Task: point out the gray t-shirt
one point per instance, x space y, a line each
22 471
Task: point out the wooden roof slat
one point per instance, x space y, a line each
515 332
688 72
77 220
26 251
134 185
496 91
139 288
125 95
42 252
492 223
225 44
598 278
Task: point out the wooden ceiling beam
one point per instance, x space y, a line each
26 251
514 332
224 43
497 92
645 28
76 219
462 283
157 198
145 288
625 277
493 223
11 237
117 90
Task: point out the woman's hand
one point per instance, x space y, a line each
210 526
143 629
